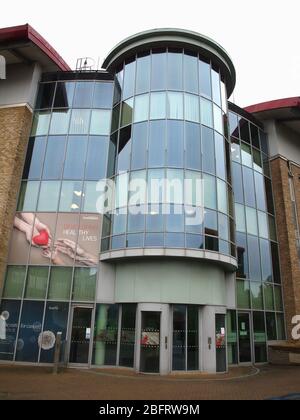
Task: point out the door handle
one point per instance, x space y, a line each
166 343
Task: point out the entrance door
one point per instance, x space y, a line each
153 351
244 337
81 335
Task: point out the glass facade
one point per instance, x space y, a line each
170 127
189 175
258 277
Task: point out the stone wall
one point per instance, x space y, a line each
15 124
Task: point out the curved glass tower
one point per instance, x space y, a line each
144 230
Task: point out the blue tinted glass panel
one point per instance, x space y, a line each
157 139
34 158
249 187
143 74
159 71
96 158
254 259
139 146
208 150
175 144
55 155
193 146
205 79
83 95
75 157
103 95
175 71
129 79
191 73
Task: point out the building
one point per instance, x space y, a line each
184 277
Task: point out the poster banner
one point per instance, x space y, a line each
66 239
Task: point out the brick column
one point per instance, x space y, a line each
15 124
290 264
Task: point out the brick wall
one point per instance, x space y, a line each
290 265
15 124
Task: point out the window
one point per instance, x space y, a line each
124 149
175 71
251 218
222 196
175 220
218 119
141 108
263 225
223 227
242 254
191 73
260 192
70 196
40 125
192 111
158 107
159 68
60 122
45 96
136 219
54 159
220 156
243 294
244 130
278 299
237 180
91 196
119 223
49 196
235 150
75 158
103 95
240 218
175 106
271 326
129 79
34 158
175 148
205 79
106 335
83 95
155 219
80 121
257 296
254 259
216 88
208 151
175 191
60 283
193 146
266 261
37 279
139 146
154 240
254 136
246 155
127 112
96 158
100 122
157 141
84 284
14 282
64 94
143 74
210 193
233 125
28 196
249 189
206 112
210 223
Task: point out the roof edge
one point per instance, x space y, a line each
274 105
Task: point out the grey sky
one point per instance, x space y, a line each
262 39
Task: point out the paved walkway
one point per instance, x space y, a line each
240 384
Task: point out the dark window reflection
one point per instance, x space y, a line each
124 149
34 158
45 96
244 130
103 95
211 223
242 254
159 70
255 136
64 95
234 125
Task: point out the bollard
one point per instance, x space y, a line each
57 352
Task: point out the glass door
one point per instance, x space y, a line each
81 331
150 342
244 337
152 350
